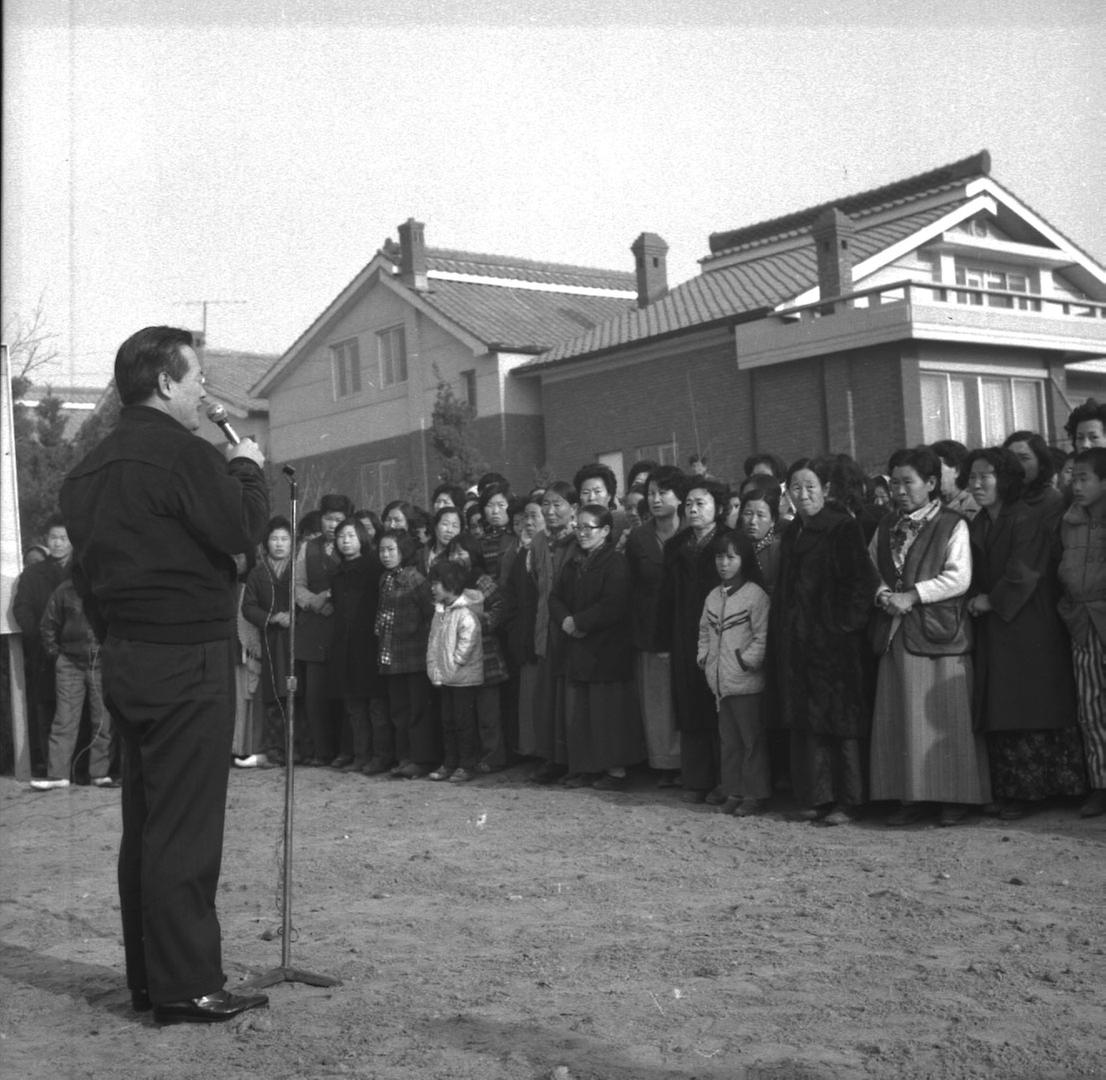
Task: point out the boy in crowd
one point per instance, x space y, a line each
68 640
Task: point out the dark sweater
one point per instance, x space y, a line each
156 516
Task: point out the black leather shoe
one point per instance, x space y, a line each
209 1009
140 1001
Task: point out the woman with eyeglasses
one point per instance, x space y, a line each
590 608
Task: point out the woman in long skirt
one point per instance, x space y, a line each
924 749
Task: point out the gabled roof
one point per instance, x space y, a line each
495 302
773 263
230 374
948 178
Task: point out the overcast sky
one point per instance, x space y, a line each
159 153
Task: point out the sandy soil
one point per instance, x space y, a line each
498 931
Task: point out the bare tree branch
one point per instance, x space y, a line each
31 345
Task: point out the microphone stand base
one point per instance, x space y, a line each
287 974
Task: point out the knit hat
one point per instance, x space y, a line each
336 504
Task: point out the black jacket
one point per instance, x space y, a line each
156 516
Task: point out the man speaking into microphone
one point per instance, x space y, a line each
156 515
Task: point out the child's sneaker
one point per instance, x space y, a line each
441 773
461 776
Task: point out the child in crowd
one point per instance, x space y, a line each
402 625
455 664
733 633
68 640
1083 608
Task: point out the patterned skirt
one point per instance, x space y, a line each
1034 765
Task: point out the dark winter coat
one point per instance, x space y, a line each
266 594
645 558
820 609
520 611
32 593
689 576
1023 675
351 669
594 588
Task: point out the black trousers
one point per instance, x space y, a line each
174 709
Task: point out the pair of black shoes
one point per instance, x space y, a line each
208 1009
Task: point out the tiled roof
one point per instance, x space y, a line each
230 374
782 272
901 192
468 262
523 319
520 319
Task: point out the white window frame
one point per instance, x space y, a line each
975 421
393 362
984 277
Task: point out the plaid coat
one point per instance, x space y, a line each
403 621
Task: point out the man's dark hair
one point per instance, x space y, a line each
1095 456
596 470
773 461
144 356
951 452
54 521
667 478
1089 410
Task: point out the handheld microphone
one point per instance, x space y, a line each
218 415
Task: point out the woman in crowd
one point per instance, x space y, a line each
820 610
1038 492
316 562
652 664
496 538
689 575
267 603
402 628
351 666
924 749
447 495
758 519
446 528
1024 688
589 610
398 516
544 735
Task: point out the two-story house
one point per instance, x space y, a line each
939 306
351 402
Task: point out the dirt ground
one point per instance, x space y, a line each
500 931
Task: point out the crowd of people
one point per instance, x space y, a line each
930 637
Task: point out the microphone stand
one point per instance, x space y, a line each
286 972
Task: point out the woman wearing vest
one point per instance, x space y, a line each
923 749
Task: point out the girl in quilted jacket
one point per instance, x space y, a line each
733 632
455 664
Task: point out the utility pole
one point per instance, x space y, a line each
204 304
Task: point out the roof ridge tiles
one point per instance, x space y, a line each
897 192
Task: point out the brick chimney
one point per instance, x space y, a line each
652 271
412 254
833 234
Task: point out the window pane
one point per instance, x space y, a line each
936 423
1027 406
354 354
960 390
340 372
996 410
